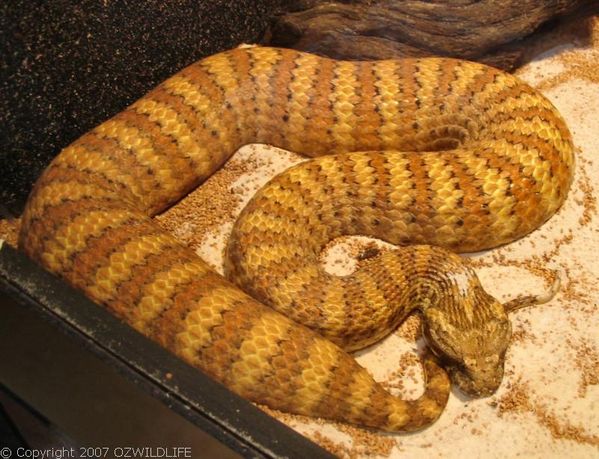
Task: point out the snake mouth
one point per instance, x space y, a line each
478 378
477 383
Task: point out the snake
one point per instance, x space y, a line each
437 156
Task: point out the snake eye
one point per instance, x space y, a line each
445 359
435 351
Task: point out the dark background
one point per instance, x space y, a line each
66 66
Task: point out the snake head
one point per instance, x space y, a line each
472 352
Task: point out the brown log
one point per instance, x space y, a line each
496 32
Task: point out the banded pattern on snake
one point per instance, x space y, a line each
473 158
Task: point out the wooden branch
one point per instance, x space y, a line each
489 31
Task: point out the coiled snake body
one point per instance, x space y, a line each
473 158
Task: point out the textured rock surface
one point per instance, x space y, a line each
66 66
496 33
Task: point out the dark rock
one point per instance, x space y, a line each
493 32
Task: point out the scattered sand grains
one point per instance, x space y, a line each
518 400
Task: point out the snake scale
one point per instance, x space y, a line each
432 154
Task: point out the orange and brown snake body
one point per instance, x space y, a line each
453 154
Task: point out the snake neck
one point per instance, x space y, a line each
426 278
441 280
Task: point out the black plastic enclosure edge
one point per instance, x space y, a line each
186 390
